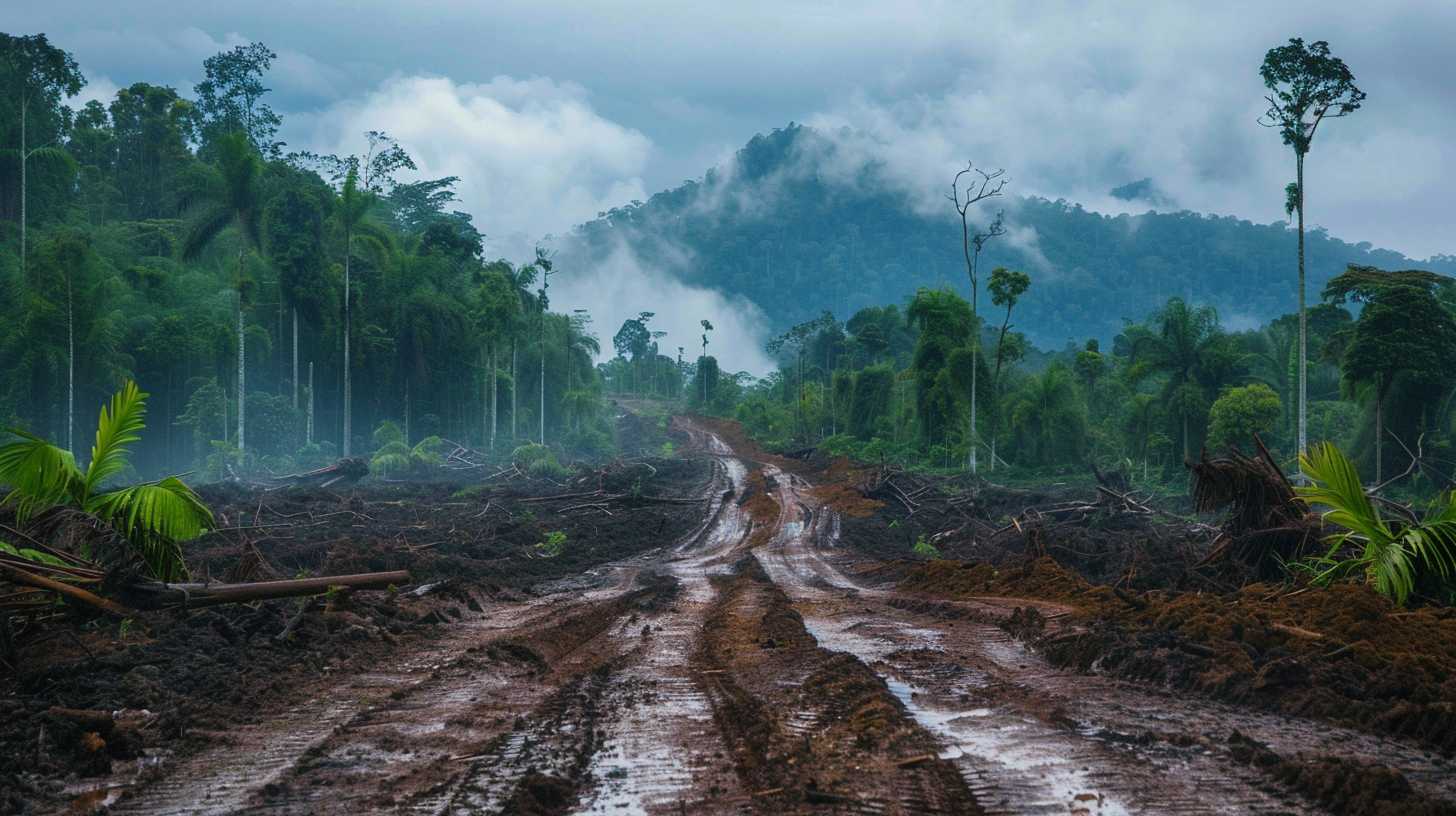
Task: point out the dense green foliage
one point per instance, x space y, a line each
173 242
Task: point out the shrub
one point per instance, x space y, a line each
925 549
553 546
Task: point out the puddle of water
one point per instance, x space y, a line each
969 734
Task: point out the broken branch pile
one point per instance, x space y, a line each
1268 524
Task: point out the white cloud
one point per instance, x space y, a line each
98 88
1074 104
532 155
619 286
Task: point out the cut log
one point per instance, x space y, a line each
21 576
160 595
351 470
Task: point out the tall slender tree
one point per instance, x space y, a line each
229 195
707 327
543 262
520 279
980 186
1306 86
352 216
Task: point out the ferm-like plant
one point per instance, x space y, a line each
1394 555
153 517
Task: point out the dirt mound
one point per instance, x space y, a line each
1341 785
1343 653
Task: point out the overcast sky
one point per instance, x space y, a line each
551 112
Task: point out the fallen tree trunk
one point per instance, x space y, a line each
160 595
345 470
21 576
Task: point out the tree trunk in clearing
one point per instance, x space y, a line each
242 358
70 369
23 107
1303 327
348 381
513 390
308 430
494 400
295 358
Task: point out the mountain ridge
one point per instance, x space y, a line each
797 226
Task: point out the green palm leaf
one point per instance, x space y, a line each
1393 559
118 426
154 517
40 475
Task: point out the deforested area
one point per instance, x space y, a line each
654 409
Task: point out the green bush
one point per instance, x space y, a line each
553 546
547 468
925 549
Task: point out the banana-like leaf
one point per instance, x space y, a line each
117 428
40 475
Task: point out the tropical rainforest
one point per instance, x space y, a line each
170 238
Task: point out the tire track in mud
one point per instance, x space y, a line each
362 734
1029 738
396 737
810 728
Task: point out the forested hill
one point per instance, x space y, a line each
787 227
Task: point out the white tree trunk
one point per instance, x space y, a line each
309 430
295 358
348 380
514 383
543 378
494 398
242 363
22 188
1303 323
70 368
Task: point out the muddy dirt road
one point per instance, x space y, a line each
748 668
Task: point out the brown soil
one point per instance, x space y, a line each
809 727
205 672
1343 653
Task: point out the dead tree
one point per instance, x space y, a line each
989 186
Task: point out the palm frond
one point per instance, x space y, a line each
428 451
31 555
1393 559
208 225
1336 484
117 427
40 475
392 457
154 518
52 157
